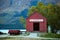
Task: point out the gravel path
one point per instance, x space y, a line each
33 35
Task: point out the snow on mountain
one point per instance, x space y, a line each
4 4
17 5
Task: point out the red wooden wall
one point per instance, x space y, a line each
43 25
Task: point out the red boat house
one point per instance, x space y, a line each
36 22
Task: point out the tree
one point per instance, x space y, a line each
23 21
50 11
57 11
31 10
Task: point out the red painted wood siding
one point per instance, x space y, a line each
43 25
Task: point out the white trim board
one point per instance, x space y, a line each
36 20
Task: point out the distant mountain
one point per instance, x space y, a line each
3 14
11 26
23 13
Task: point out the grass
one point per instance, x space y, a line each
4 38
20 38
51 35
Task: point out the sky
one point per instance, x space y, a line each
12 10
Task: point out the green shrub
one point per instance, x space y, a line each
51 35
